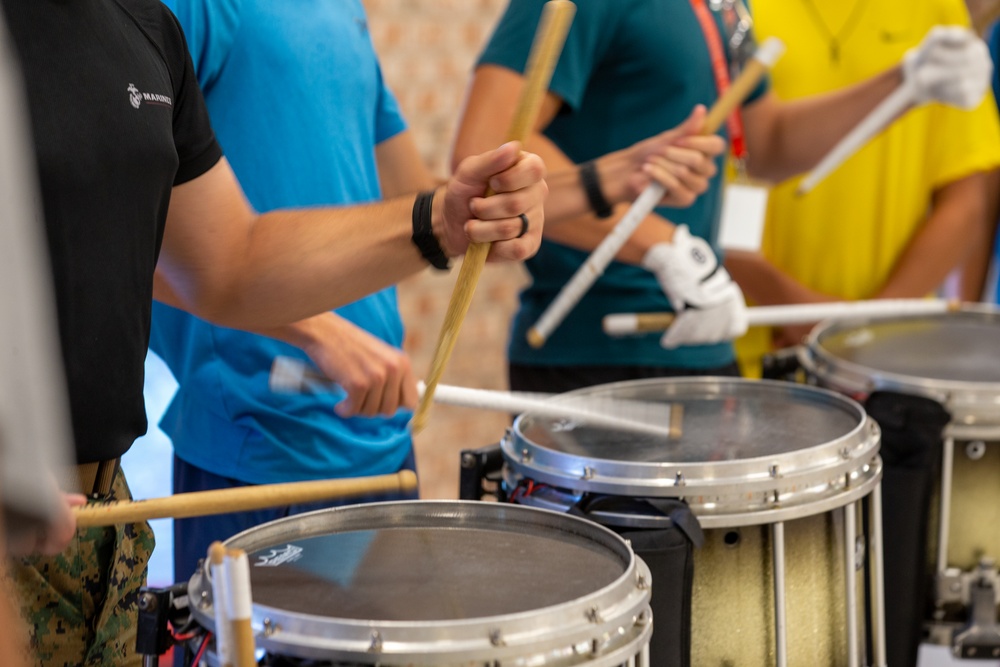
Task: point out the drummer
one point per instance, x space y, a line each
227 427
212 261
627 70
130 173
902 213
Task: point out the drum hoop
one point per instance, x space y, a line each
623 605
665 479
969 402
734 513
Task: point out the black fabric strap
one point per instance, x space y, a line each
423 235
591 183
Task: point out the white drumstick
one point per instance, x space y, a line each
623 324
239 607
289 375
891 107
594 267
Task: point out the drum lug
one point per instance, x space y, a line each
375 646
270 627
588 473
980 638
594 616
496 638
679 479
773 471
641 583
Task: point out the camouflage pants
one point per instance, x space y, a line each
81 606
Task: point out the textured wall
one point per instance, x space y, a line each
427 49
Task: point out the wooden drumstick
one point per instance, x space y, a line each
623 324
594 267
549 38
239 607
242 499
220 593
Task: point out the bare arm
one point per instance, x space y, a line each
401 170
788 138
684 167
957 216
231 266
976 268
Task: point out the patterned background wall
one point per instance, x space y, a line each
427 48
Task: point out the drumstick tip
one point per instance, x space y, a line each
535 338
407 481
216 553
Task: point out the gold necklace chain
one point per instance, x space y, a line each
838 38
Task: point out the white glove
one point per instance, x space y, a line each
952 65
709 305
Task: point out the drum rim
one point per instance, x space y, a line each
736 514
623 604
668 479
862 379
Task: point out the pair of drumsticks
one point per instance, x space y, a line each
233 606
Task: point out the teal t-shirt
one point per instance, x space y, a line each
629 70
297 100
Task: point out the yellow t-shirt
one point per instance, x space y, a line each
845 237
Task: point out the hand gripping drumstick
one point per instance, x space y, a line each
239 607
594 267
552 28
242 499
289 375
872 124
622 324
220 593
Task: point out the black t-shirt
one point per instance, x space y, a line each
117 120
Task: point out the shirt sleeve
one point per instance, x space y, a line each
586 45
389 119
210 28
194 139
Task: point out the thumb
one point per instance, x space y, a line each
694 123
478 169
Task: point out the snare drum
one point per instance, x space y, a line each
783 479
441 583
954 360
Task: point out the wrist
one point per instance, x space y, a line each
613 171
429 228
590 181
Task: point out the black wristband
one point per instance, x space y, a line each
423 234
592 186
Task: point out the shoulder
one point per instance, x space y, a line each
160 27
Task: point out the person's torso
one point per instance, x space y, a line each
295 99
655 66
100 96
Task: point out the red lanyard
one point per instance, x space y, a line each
720 69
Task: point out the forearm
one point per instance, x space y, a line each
977 266
765 284
788 138
944 240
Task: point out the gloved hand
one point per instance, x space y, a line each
709 305
952 65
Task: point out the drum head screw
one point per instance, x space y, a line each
641 583
269 627
773 471
496 638
376 643
588 472
525 455
679 479
203 601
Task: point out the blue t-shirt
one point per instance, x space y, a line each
296 97
629 70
